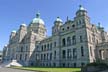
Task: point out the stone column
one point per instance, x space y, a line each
102 55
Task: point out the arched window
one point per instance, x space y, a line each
82 51
73 26
68 41
68 28
63 42
74 40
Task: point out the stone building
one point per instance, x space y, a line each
1 55
72 44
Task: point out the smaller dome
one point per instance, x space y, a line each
81 7
58 19
23 25
14 31
38 19
5 45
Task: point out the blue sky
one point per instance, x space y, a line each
15 12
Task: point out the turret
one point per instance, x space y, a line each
57 24
22 31
13 33
81 16
81 11
37 26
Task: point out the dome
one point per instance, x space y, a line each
14 31
81 8
5 45
38 19
58 19
23 25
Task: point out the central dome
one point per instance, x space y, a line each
38 19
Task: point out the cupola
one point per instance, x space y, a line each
37 20
81 11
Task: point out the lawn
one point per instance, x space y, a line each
51 69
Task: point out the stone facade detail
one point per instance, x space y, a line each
74 43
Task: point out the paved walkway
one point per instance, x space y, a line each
13 70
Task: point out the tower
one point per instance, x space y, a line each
22 31
81 17
37 26
57 24
13 33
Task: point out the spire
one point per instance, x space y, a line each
38 15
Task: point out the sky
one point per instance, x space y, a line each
15 12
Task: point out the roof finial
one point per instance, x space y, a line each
58 17
99 25
67 18
38 15
81 7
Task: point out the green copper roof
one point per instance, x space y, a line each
14 31
81 7
23 24
38 19
58 19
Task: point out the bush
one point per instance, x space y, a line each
92 67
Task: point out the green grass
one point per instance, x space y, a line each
51 69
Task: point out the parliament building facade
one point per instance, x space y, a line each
74 43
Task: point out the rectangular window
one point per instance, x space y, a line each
42 48
81 40
69 53
74 53
54 54
74 40
41 56
82 51
50 56
54 44
91 50
63 54
47 56
63 42
50 46
44 56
